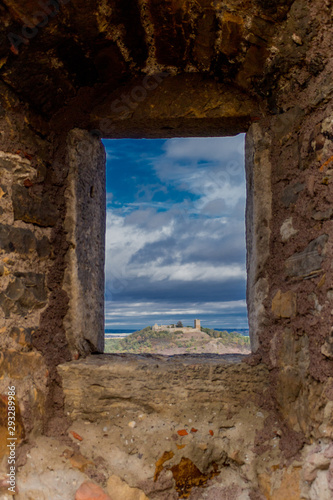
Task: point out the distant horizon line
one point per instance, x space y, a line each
184 326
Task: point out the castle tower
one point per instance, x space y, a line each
197 324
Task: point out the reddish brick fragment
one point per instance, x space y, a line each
90 491
182 432
76 436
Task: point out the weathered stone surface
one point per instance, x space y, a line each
320 487
34 208
325 215
232 31
119 490
19 168
91 385
43 247
201 36
284 305
258 230
317 470
182 393
284 124
28 373
289 485
24 293
290 193
304 263
203 49
173 101
47 474
22 337
3 191
327 348
287 230
14 239
22 241
233 491
318 458
85 227
20 365
78 461
91 491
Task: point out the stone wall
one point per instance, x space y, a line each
27 216
85 228
254 428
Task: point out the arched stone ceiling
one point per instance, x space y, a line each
49 50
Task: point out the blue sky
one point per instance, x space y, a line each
175 243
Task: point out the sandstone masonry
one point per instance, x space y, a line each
257 427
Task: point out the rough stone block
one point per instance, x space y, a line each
24 293
320 488
119 490
85 228
16 239
291 193
22 241
93 384
323 215
19 365
36 209
289 487
232 28
304 263
22 337
287 230
284 304
18 168
204 46
286 122
258 227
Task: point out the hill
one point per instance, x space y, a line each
180 341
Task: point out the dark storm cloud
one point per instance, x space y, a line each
228 250
179 291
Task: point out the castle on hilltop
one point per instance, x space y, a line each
157 327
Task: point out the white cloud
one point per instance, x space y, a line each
188 272
211 168
152 309
123 241
152 244
140 314
205 148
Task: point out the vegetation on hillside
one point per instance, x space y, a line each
150 341
228 337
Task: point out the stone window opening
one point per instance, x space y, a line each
180 206
86 200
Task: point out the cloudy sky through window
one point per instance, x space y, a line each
175 246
